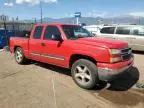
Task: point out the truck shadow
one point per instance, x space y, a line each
123 83
120 94
130 98
53 68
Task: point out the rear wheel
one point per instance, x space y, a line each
19 56
84 73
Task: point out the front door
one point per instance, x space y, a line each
53 52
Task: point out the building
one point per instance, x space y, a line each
4 18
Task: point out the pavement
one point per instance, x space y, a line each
38 85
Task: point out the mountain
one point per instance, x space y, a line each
96 20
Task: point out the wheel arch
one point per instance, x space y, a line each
15 47
75 57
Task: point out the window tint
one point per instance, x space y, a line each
108 30
51 32
123 30
38 32
138 31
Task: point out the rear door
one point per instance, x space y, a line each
138 38
107 32
35 46
124 34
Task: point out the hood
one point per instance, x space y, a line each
102 42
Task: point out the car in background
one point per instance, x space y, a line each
93 28
132 34
4 35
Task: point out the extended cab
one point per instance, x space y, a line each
90 59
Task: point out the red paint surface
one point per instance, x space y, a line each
97 48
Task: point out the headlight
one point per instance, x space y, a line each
115 55
115 51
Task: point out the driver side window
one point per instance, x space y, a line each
51 33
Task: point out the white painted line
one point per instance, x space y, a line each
54 91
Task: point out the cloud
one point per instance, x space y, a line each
94 13
34 2
140 14
8 4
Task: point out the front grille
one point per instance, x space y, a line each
126 54
126 51
126 57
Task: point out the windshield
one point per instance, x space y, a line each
74 32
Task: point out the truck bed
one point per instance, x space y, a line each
19 42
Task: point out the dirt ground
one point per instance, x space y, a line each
38 85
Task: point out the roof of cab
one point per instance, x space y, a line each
53 24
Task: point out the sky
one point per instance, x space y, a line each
30 9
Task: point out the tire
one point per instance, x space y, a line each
19 56
85 73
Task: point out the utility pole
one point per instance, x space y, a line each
13 25
41 8
17 22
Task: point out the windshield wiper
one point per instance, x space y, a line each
80 36
84 36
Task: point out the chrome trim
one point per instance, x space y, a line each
126 53
48 56
52 57
37 54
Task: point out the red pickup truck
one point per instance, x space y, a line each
90 59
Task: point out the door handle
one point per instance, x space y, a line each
127 37
130 37
133 38
43 44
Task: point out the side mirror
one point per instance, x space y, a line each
27 35
57 37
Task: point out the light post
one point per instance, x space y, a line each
41 8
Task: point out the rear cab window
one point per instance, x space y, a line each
123 30
108 30
38 32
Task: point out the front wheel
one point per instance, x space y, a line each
85 73
19 56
